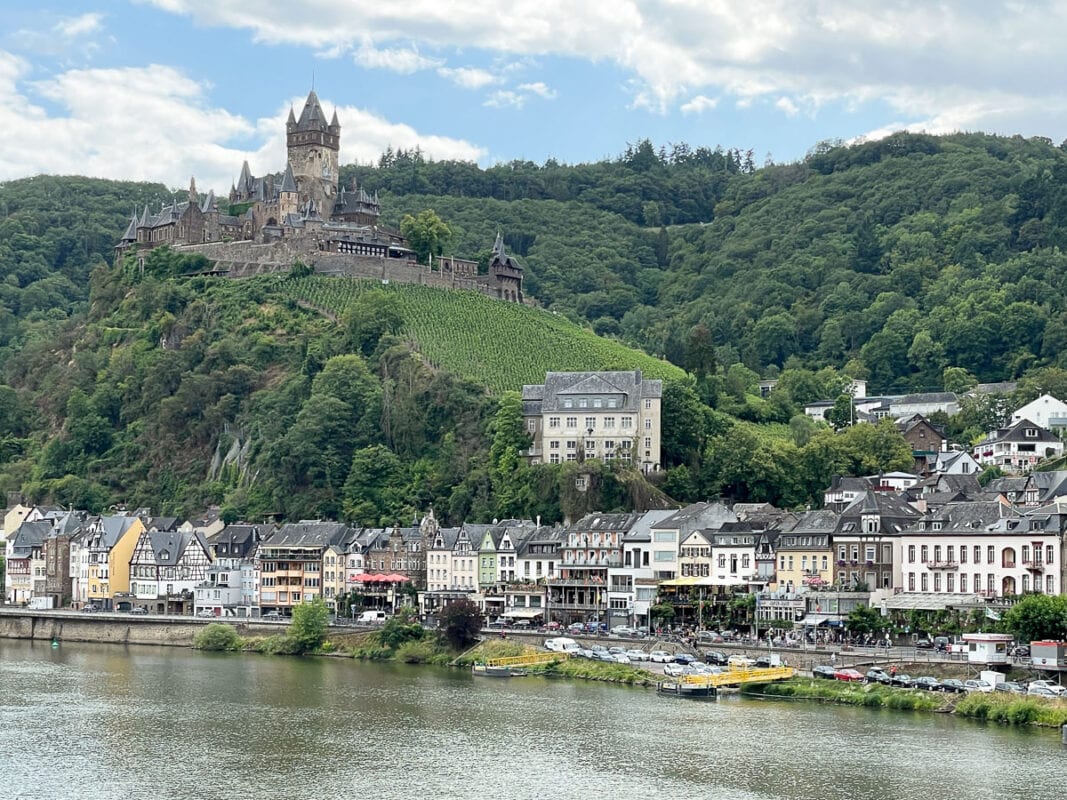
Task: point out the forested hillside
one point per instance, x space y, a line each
912 262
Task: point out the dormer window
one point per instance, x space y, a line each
1031 433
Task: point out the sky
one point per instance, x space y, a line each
163 90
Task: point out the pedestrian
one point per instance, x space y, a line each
833 659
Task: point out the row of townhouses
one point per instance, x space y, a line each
897 541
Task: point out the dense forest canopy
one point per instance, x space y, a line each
916 262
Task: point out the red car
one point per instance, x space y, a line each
848 675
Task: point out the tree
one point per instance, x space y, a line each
864 619
308 628
461 622
400 630
427 234
1037 617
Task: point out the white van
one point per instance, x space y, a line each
371 618
561 644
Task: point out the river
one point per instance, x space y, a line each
103 722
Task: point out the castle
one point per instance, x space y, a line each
271 223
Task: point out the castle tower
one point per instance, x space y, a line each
313 147
288 195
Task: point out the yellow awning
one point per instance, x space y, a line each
687 581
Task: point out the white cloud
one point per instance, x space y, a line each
699 104
468 77
538 88
786 105
402 60
72 27
849 52
505 98
170 134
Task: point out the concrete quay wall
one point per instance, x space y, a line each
73 626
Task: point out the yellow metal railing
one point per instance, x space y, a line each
734 677
529 660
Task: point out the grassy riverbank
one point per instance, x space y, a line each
998 707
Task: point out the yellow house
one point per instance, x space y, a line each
111 541
803 553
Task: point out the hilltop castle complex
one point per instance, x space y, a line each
270 223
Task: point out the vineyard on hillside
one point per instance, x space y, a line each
500 345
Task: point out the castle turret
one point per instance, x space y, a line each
314 147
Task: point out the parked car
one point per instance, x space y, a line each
716 657
1011 687
1046 691
848 675
709 637
877 675
924 644
621 658
941 644
576 627
272 615
604 655
699 668
674 670
900 679
637 655
622 630
205 612
824 671
741 662
660 657
616 650
585 652
977 685
952 685
90 608
598 648
684 658
138 610
1021 651
928 683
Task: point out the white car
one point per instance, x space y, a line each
977 686
1046 689
674 670
637 655
621 658
660 657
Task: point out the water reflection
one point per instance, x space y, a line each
97 722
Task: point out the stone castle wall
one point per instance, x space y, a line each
246 259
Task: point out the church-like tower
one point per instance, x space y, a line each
314 146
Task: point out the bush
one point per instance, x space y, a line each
217 636
308 628
415 652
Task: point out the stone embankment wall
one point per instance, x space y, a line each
246 259
115 629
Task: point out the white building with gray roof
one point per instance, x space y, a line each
573 416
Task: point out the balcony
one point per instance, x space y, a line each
1034 566
942 564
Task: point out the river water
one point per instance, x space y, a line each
96 722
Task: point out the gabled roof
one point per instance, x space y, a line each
970 515
926 397
697 515
641 530
1017 433
308 533
312 117
288 181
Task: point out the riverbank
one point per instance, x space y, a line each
997 707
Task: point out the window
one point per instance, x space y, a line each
926 581
991 583
663 536
590 444
590 423
1049 551
609 422
950 582
963 581
648 424
951 553
911 581
990 554
648 442
937 581
804 563
553 458
579 483
572 444
648 405
870 553
1050 585
977 555
627 422
790 562
824 564
531 424
722 560
664 555
925 554
963 554
911 553
572 422
1026 584
1025 555
553 422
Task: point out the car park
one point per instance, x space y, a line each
927 682
847 674
637 655
952 685
660 657
824 671
977 685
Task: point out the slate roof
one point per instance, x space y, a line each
27 536
641 530
307 533
972 515
628 386
697 515
926 397
311 118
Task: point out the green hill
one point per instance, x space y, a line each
499 345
